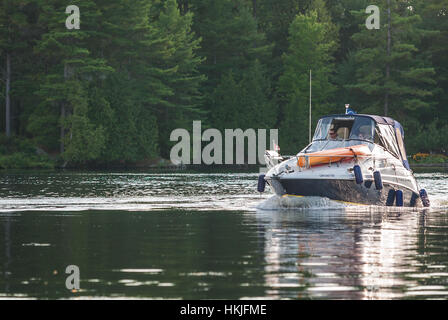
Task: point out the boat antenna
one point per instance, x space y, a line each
310 108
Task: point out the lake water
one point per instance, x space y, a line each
212 236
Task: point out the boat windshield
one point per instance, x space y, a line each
340 131
345 128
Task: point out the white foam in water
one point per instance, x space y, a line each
438 203
298 203
291 202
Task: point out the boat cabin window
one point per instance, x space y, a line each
345 128
388 140
339 132
400 143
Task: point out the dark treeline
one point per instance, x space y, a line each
112 91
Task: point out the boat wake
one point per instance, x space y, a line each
439 203
291 202
318 203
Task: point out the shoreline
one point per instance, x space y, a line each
149 169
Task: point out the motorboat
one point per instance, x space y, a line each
355 158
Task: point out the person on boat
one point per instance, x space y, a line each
364 133
333 134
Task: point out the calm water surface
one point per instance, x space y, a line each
212 236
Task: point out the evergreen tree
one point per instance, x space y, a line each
85 142
184 105
244 101
14 34
434 15
70 69
275 18
430 125
390 77
230 38
153 50
309 49
112 91
344 14
226 105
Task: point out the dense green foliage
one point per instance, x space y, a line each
112 91
310 49
20 153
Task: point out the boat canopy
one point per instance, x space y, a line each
347 130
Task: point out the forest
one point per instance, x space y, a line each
111 92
